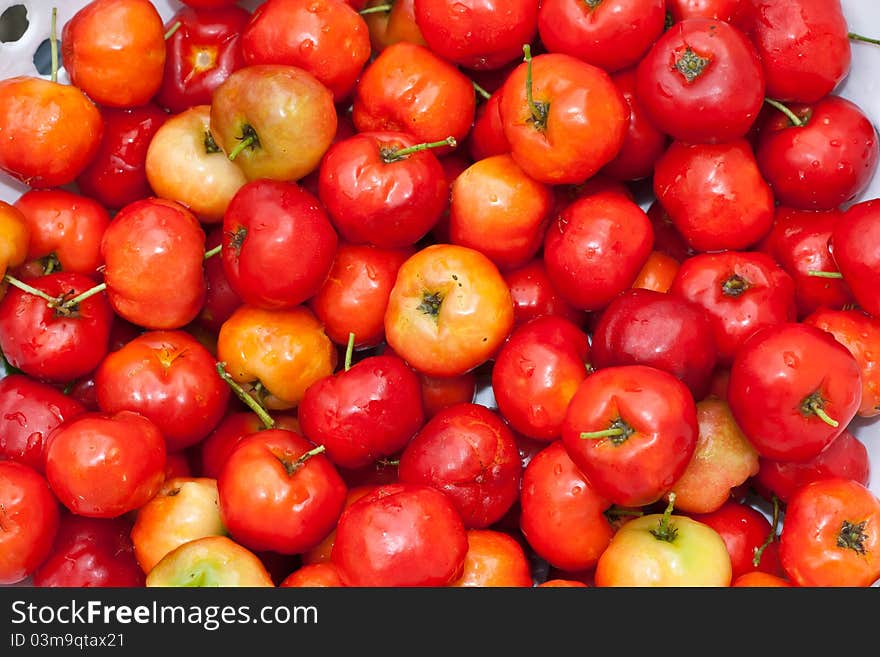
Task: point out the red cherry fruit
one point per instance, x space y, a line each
632 430
499 210
610 34
382 188
201 53
536 373
855 245
36 116
57 343
91 552
355 294
65 230
793 389
860 334
477 34
116 175
103 466
743 291
29 411
363 413
408 88
154 252
327 38
114 50
799 242
803 46
596 248
563 118
845 457
400 535
824 160
30 521
714 194
467 452
168 377
744 530
645 327
278 244
279 493
563 518
701 81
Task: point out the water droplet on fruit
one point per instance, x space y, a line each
577 490
493 198
557 469
306 47
459 8
815 164
835 143
790 359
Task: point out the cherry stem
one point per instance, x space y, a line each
251 403
756 560
537 110
399 154
480 91
172 30
605 433
794 118
816 407
320 449
665 531
85 295
240 146
53 44
349 351
825 274
859 37
30 289
214 251
378 9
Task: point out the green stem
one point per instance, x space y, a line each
251 403
605 433
794 118
859 37
320 449
394 156
240 146
816 407
30 289
70 303
665 531
349 351
480 91
53 43
378 9
211 253
537 110
825 274
172 30
756 560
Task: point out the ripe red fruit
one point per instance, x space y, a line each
400 535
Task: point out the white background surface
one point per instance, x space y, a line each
862 86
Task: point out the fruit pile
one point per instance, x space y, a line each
347 293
